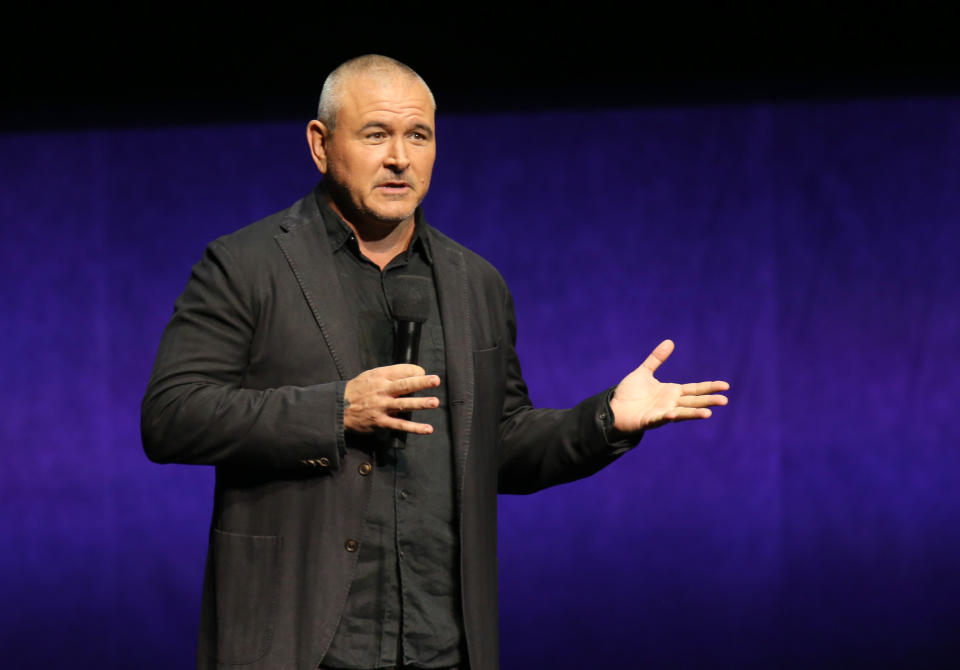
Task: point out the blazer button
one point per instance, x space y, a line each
365 469
351 545
324 461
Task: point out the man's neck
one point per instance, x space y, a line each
383 250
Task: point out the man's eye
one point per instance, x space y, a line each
378 135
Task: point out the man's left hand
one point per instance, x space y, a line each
641 402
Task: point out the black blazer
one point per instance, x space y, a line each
249 377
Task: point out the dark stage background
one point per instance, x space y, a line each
796 235
805 251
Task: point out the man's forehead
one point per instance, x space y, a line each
393 92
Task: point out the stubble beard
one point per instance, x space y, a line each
358 214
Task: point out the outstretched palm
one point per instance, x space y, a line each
642 402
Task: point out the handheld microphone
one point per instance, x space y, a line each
410 307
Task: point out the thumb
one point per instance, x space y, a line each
657 356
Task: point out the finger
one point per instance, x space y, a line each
412 384
410 404
658 356
703 388
702 401
401 370
687 413
394 423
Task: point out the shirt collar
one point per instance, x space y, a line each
339 233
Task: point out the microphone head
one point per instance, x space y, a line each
410 299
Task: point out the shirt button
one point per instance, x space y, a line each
404 494
351 545
324 461
365 469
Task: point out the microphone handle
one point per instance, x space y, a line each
406 342
406 349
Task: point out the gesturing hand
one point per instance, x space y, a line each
373 399
640 401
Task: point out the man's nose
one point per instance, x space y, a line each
397 158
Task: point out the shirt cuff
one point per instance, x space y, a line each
618 442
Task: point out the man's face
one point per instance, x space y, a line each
380 155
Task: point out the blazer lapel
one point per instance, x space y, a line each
450 277
304 243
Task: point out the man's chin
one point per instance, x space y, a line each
392 216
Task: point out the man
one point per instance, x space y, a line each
330 546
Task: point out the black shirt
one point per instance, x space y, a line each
404 604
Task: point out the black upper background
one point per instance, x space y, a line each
148 64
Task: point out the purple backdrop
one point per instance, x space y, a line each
807 252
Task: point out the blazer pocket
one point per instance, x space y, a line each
488 384
487 358
246 588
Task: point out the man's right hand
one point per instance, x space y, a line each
373 399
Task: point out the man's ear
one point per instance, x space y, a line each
317 138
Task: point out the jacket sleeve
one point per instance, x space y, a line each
196 409
546 447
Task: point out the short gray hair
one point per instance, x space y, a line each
331 97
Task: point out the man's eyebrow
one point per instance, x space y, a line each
424 128
373 124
